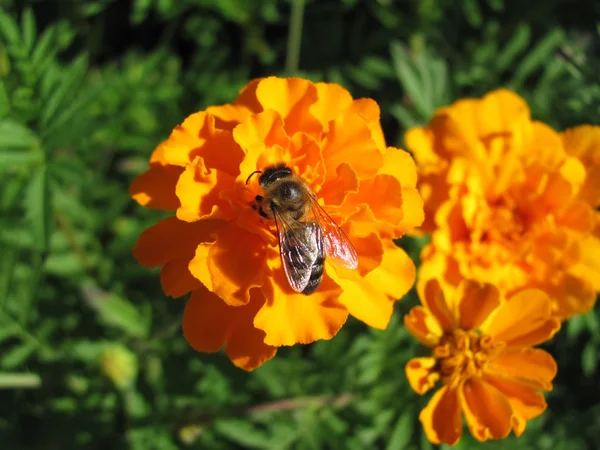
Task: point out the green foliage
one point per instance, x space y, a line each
88 89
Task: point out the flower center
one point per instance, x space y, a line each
462 355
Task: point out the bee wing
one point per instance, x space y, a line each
337 245
300 244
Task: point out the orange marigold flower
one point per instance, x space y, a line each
481 351
510 201
218 247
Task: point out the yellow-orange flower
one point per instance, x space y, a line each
481 352
219 249
510 201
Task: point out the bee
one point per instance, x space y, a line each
306 232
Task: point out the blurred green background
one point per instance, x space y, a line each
91 352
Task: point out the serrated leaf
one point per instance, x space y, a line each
9 28
404 116
402 434
242 432
536 57
589 359
62 95
28 29
16 356
515 47
38 204
116 311
15 136
408 75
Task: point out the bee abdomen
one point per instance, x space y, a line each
316 275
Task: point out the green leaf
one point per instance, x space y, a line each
116 311
403 431
473 12
16 356
9 28
589 359
242 432
4 100
515 46
15 136
62 95
8 258
409 77
29 30
536 57
38 204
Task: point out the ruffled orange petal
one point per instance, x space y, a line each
371 298
336 189
208 323
368 109
229 115
291 98
349 141
170 239
399 164
525 402
289 318
531 365
423 326
588 265
523 320
198 136
155 188
475 303
421 374
332 100
199 191
434 300
176 279
487 412
264 129
441 418
231 265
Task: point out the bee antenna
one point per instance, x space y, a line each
252 174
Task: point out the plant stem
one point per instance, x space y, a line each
292 62
19 380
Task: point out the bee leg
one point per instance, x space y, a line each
259 198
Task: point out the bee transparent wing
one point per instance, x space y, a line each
337 245
300 244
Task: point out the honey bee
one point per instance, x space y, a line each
306 232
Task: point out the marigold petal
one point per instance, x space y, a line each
571 294
388 209
289 318
265 128
487 412
335 190
421 374
332 100
524 319
170 239
401 165
423 326
419 141
176 279
441 417
530 365
371 298
475 303
525 401
291 98
434 300
198 136
199 191
155 188
229 115
349 141
208 323
231 265
412 210
588 266
369 110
